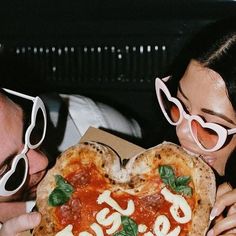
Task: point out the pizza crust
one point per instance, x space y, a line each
135 172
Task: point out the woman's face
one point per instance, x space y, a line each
203 92
11 130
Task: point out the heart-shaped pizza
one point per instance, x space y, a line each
92 191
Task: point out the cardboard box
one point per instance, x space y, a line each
124 148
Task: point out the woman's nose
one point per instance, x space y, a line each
183 131
37 161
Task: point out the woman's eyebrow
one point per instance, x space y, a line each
219 115
209 111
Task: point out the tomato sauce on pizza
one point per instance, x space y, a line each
89 183
162 191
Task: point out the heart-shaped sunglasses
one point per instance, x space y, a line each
209 136
16 176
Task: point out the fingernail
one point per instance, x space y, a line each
213 214
210 233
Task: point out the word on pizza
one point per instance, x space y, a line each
91 191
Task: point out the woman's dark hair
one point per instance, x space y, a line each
215 48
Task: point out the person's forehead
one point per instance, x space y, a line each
206 89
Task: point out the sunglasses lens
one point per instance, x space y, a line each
171 108
207 137
37 132
16 179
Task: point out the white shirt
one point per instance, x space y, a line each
84 112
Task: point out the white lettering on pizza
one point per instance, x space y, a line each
67 231
142 228
178 202
97 229
148 234
106 197
162 227
114 219
85 233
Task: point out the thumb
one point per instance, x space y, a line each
19 224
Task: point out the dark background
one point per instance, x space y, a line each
108 50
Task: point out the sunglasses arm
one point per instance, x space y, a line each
231 131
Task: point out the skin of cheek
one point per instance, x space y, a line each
221 156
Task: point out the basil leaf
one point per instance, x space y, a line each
62 192
130 228
179 184
120 233
182 180
167 175
64 185
57 197
185 190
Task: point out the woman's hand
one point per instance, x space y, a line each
16 225
224 212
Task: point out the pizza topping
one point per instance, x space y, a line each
62 193
85 234
142 228
148 234
152 202
70 210
106 197
114 220
82 178
179 202
130 228
162 227
177 184
97 229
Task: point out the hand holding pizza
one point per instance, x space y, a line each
225 211
19 224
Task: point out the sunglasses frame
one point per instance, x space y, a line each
37 104
220 130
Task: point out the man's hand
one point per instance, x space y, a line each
224 212
16 225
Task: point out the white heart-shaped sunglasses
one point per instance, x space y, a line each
209 136
16 176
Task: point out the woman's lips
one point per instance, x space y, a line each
208 159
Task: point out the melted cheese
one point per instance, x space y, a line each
178 202
148 234
67 231
114 220
97 229
162 227
84 233
106 197
142 228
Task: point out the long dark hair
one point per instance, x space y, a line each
214 47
